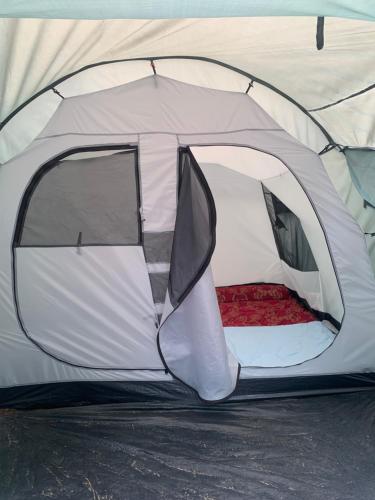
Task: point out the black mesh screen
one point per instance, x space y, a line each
91 201
290 238
194 235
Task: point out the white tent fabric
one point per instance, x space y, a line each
244 239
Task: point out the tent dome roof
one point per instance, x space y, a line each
158 104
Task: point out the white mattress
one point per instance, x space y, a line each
277 346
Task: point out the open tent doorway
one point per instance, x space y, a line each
276 285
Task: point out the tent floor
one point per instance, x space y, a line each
278 346
318 448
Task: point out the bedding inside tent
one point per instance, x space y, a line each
275 284
261 305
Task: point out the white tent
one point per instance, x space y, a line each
146 163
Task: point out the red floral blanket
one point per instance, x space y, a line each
260 305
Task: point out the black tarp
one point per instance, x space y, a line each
320 447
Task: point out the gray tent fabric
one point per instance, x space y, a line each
158 115
361 163
291 241
90 201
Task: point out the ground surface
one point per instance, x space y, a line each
308 448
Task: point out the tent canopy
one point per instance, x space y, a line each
279 50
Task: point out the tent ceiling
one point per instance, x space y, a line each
279 50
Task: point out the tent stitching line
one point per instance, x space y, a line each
161 132
199 58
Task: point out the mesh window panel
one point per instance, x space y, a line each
361 163
159 285
91 201
290 238
158 246
194 235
